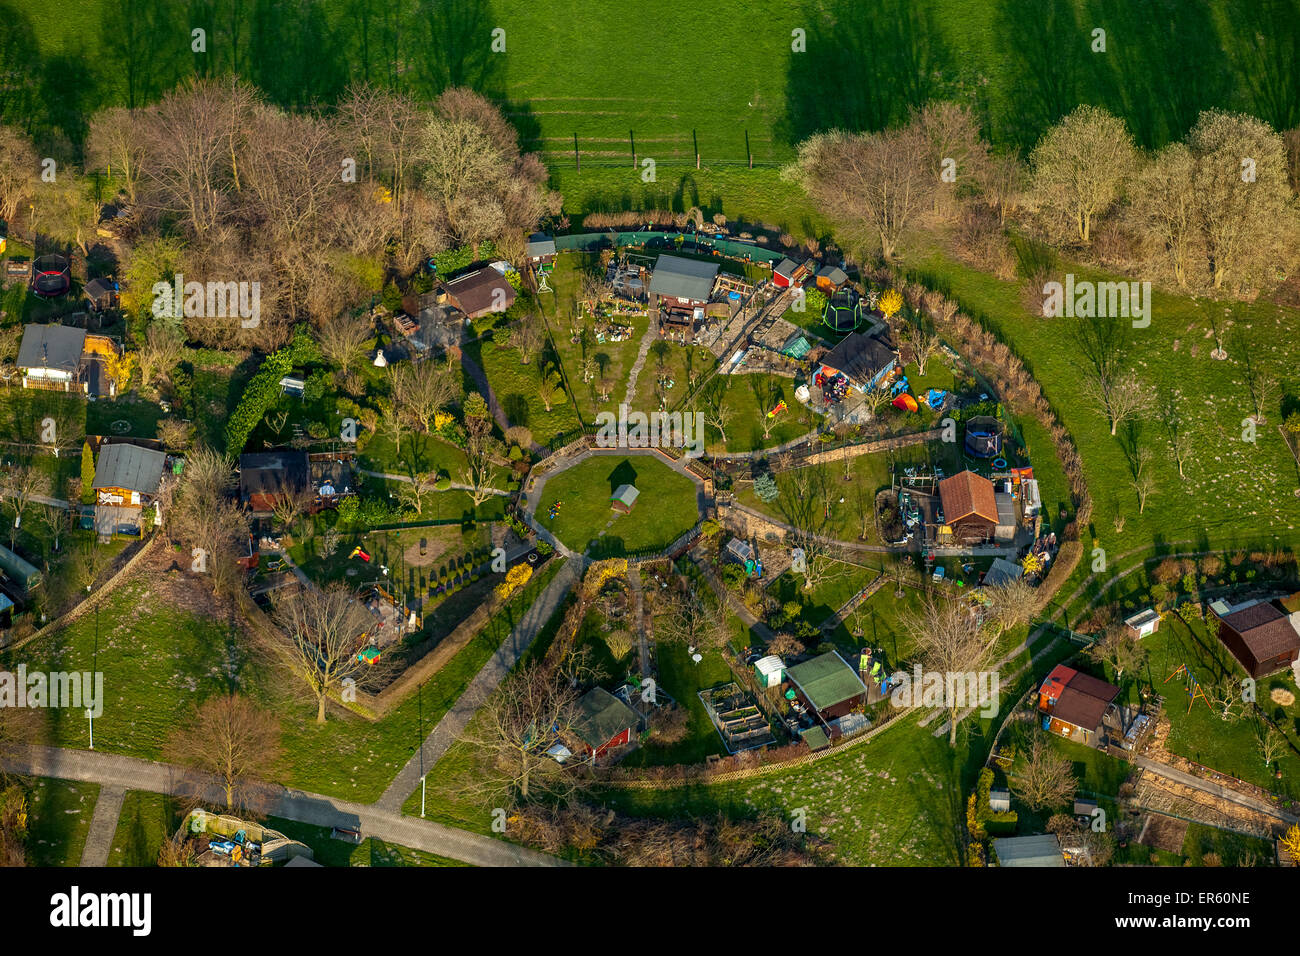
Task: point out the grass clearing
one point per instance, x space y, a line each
58 820
665 509
160 661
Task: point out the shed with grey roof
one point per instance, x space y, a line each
50 356
683 282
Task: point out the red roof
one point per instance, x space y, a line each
1075 697
968 494
1265 630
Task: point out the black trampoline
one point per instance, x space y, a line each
51 276
983 436
843 311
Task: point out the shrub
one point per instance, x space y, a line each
765 487
516 578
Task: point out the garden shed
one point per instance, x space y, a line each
1074 705
770 671
51 356
1261 636
827 686
604 722
623 499
1144 622
970 506
863 360
681 283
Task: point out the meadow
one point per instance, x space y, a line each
159 661
665 509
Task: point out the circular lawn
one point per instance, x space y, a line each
665 507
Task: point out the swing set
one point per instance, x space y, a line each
1194 689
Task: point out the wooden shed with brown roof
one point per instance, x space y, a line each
1262 637
1075 703
480 292
970 507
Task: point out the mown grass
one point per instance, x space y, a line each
1235 490
665 509
515 386
58 820
160 661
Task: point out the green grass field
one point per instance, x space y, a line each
58 820
159 661
665 509
1235 491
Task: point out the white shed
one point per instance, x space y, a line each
770 671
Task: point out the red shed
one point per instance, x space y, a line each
604 722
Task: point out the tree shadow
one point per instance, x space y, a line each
515 406
623 474
1044 47
864 69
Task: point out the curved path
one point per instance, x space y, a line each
115 773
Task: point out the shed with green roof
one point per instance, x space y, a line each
828 686
604 722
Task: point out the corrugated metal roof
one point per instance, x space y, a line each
1042 850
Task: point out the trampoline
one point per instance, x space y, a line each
843 311
984 436
51 276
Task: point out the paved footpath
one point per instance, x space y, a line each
103 826
454 722
115 771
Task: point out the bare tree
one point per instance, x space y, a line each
21 488
1080 166
527 338
412 493
693 620
1171 417
534 709
1245 212
1143 481
326 630
160 352
805 502
343 339
115 142
1163 208
206 519
426 388
875 184
1121 649
949 640
1045 779
174 434
1261 384
1012 603
60 521
1271 743
231 740
1226 698
18 171
290 502
480 447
